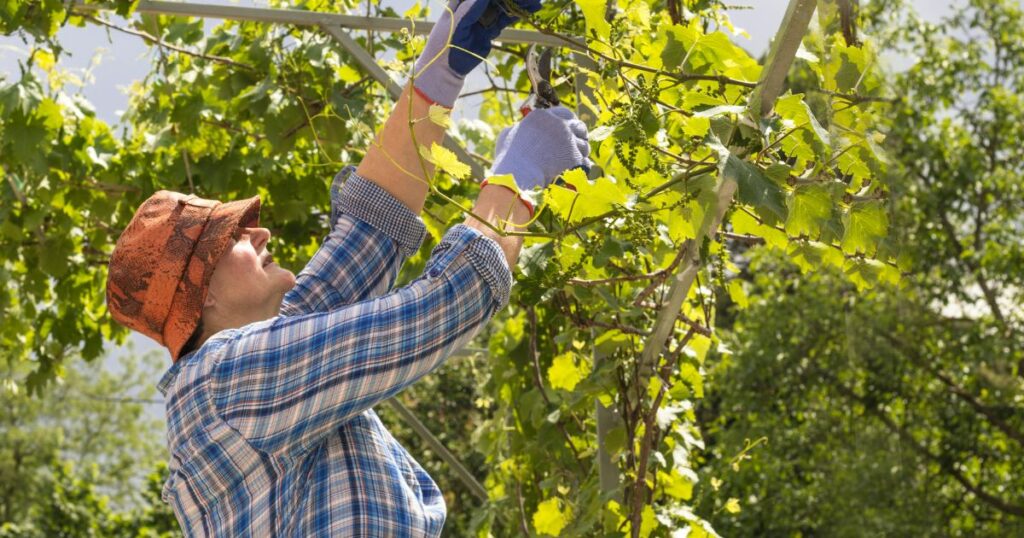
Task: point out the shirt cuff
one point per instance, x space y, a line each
483 254
356 196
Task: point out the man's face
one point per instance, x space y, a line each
247 285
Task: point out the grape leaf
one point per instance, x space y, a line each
440 115
648 522
866 223
590 199
743 223
593 14
564 373
696 126
737 294
676 485
678 41
755 189
809 207
550 518
444 159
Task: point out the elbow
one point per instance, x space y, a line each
465 256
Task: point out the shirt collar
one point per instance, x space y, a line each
171 373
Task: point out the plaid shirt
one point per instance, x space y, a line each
270 426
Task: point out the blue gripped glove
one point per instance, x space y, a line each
440 80
538 149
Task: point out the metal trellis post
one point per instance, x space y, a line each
783 51
607 418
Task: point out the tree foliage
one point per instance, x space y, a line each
84 457
245 108
70 506
897 412
91 418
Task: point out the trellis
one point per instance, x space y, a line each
769 87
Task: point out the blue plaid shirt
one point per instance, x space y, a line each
271 426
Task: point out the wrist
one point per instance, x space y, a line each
498 202
494 205
512 194
436 82
422 96
524 169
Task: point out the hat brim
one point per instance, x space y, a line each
187 306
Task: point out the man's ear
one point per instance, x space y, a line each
210 299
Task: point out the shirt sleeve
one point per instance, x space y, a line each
287 382
372 235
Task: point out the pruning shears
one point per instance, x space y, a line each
538 66
538 70
542 93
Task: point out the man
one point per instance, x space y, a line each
271 429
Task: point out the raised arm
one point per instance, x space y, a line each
286 383
392 161
375 211
372 236
460 38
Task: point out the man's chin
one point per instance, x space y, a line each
281 277
287 278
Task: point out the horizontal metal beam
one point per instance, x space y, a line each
364 59
314 18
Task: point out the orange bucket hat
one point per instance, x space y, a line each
161 266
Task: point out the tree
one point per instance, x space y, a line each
91 418
897 412
868 423
84 457
246 108
69 506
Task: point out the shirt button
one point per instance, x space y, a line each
435 272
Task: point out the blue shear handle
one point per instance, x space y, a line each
490 14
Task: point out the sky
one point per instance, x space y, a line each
109 61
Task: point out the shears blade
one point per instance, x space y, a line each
538 70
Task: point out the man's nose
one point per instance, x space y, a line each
260 237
